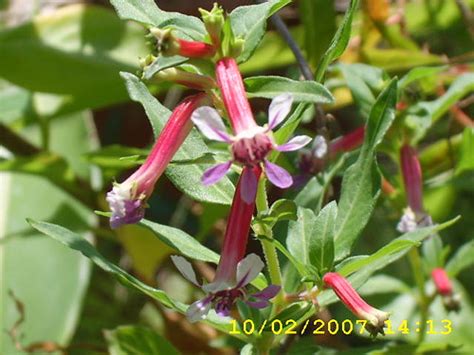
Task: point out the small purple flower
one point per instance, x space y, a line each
251 146
222 295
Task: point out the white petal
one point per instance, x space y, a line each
210 124
198 310
320 147
248 269
279 109
185 268
295 143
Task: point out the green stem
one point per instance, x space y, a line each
417 268
269 248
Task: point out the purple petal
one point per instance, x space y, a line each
277 175
248 269
279 109
258 304
215 173
295 143
248 187
199 309
125 209
185 268
267 293
216 286
223 308
210 124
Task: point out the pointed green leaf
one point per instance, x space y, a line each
181 241
339 42
249 23
361 182
321 243
302 91
463 259
299 235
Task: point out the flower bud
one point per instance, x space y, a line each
444 287
169 45
190 80
352 300
214 22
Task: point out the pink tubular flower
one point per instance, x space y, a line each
444 287
351 299
414 215
250 143
347 142
127 200
234 272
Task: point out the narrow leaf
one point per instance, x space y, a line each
302 91
299 235
181 241
321 243
463 259
339 42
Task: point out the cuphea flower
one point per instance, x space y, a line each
347 142
250 143
127 200
222 297
444 287
234 272
414 215
348 295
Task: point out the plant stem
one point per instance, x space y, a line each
269 248
417 268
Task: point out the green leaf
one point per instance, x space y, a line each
300 233
339 42
148 13
463 259
360 268
302 91
76 242
365 83
281 210
284 133
162 63
181 241
321 243
319 21
417 74
249 23
466 162
422 115
360 185
47 279
88 45
134 339
187 178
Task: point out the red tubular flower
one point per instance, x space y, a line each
351 299
347 142
414 215
127 200
234 96
250 143
444 287
170 45
193 49
234 271
412 178
190 80
442 281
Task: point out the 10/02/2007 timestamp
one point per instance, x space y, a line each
347 326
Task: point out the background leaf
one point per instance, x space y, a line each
126 340
49 280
